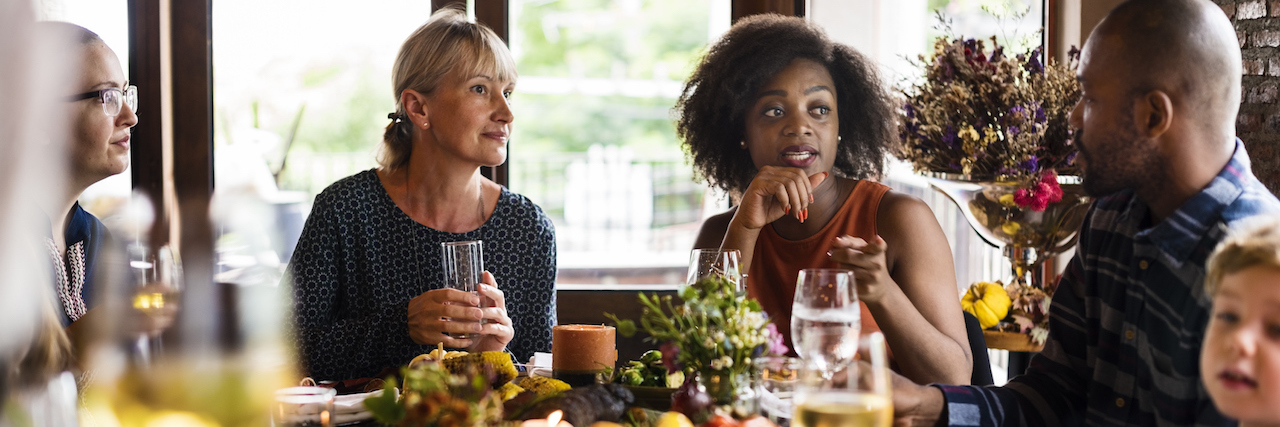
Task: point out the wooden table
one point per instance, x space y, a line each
1011 341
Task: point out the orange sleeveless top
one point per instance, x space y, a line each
776 262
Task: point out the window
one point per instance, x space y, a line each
301 95
594 139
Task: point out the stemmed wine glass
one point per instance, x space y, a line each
826 318
857 396
709 262
155 297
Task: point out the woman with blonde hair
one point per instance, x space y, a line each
367 278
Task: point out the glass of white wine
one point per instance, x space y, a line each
857 396
155 297
826 318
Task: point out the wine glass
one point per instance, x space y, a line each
857 396
826 318
708 262
155 297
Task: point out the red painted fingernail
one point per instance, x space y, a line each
787 211
810 197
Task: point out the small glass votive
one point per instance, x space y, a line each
777 378
303 407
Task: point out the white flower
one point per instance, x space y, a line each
726 362
708 343
718 364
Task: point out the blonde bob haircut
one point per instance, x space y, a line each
1256 243
447 43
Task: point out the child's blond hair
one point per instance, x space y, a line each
1255 243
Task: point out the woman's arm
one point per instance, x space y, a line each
907 279
773 193
334 341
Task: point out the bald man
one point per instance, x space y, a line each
1156 130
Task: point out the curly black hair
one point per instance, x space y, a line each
712 109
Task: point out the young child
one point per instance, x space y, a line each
1240 359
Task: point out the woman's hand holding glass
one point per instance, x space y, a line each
867 261
446 315
858 396
774 192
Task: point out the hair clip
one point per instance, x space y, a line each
394 116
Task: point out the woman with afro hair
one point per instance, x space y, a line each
796 127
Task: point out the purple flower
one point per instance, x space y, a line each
911 111
1040 116
1034 64
776 344
1030 164
669 352
949 137
1071 158
1013 131
1017 111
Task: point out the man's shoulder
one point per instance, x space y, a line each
1255 200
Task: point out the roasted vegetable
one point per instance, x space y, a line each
503 369
509 390
584 405
543 386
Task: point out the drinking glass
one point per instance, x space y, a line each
303 407
857 396
463 263
708 262
778 377
155 296
826 318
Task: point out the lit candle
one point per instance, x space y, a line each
578 352
552 420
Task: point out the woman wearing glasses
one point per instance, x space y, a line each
100 108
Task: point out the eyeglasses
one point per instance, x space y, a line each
113 99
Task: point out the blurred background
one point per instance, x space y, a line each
301 102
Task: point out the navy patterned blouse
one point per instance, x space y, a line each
360 260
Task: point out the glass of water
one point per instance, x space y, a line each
826 318
463 263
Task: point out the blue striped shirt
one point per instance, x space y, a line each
1127 318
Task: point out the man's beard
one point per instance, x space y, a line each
1129 165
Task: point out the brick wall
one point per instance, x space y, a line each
1257 25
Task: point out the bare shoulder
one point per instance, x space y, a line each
902 213
713 229
908 225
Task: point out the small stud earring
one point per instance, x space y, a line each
838 138
742 144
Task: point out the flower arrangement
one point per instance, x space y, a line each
715 328
990 116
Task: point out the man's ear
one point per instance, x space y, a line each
1153 114
415 108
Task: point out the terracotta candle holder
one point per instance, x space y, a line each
579 352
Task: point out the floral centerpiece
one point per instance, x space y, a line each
989 115
714 334
992 131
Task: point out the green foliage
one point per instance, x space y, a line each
715 327
353 124
601 39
